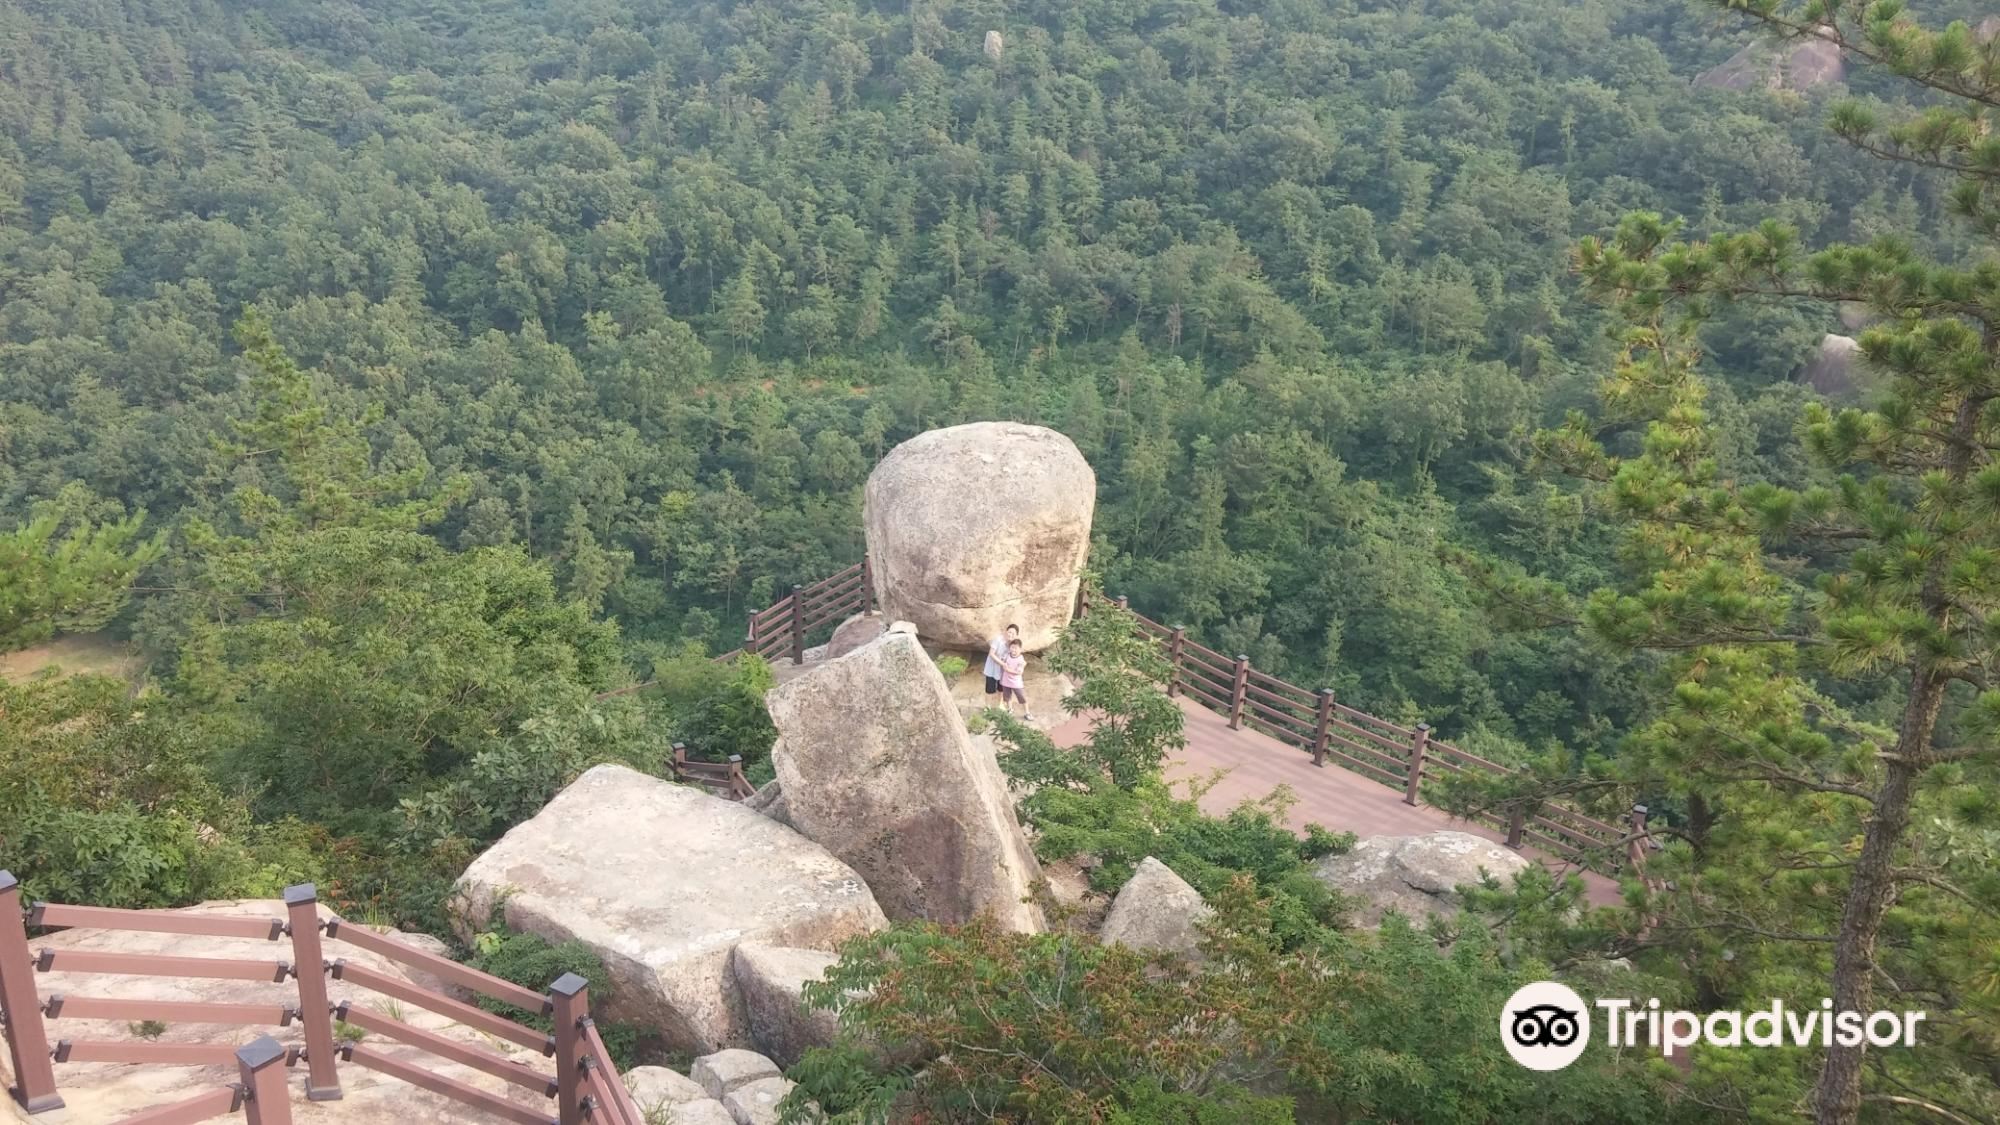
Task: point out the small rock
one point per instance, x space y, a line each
728 1070
855 632
658 1085
994 45
773 979
1156 910
1415 876
757 1102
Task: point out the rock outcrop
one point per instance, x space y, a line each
1799 65
662 882
876 767
773 979
724 1071
769 799
1415 876
1156 910
108 1092
974 527
1834 369
757 1102
652 1086
855 632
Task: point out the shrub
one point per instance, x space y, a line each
952 666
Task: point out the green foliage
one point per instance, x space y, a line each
104 800
1133 726
1116 828
1055 1027
61 570
951 666
534 963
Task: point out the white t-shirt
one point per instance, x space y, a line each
996 651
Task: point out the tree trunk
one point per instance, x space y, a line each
1836 1096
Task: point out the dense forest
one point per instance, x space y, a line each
398 377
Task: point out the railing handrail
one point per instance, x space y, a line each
1228 686
1342 732
23 1013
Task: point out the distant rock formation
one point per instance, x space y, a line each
1415 876
1792 65
1834 369
973 527
662 882
994 45
1156 910
876 766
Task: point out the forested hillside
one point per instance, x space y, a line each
649 286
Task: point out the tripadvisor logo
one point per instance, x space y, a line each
1545 1026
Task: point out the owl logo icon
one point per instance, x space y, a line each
1545 1025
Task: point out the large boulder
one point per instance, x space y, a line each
1156 910
773 979
1795 65
1415 876
876 766
1835 367
976 527
661 882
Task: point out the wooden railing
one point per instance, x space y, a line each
781 629
1313 720
584 1088
1396 756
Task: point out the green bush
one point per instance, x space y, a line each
1120 827
952 666
534 963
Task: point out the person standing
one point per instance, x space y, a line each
996 654
1011 685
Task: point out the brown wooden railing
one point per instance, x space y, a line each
1314 721
781 629
1396 756
585 1087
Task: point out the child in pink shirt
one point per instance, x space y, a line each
1011 668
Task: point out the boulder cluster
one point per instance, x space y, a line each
712 916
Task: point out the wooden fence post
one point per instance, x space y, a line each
867 585
798 625
1124 603
1322 726
315 1014
1176 644
27 1042
1517 820
570 995
1635 850
1420 740
1238 691
750 636
1082 600
261 1066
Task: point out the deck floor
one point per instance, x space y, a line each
1254 764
